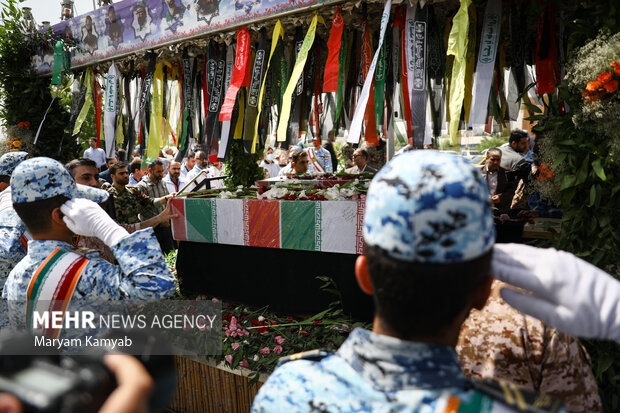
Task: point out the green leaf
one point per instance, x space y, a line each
567 182
561 157
598 169
532 107
592 196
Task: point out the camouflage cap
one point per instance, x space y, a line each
10 160
431 207
42 178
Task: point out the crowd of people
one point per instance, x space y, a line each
429 264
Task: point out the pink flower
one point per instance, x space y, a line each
244 363
277 349
215 300
235 346
233 323
264 350
228 358
279 339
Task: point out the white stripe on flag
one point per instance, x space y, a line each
229 221
338 226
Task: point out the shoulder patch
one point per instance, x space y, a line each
312 355
520 399
86 252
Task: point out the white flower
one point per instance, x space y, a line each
255 358
261 318
333 193
226 195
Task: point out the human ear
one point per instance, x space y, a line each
362 275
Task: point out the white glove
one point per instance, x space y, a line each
84 217
568 293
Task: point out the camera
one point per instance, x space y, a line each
72 383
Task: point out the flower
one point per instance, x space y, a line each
593 86
279 339
244 363
616 67
229 358
277 349
25 124
611 86
235 346
264 350
604 77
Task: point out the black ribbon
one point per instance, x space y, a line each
258 72
145 95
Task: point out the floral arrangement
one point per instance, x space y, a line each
19 138
594 73
291 190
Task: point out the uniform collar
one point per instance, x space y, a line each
391 364
39 250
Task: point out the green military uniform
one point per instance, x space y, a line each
129 203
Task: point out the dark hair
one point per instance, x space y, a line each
190 154
364 153
155 162
416 299
37 215
296 154
133 166
71 165
121 155
5 179
110 158
116 167
516 136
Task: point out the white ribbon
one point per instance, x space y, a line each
486 62
109 110
358 116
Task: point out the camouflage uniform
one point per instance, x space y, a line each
372 373
500 342
152 190
129 203
11 248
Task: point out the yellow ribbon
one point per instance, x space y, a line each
302 56
88 101
155 137
457 46
278 32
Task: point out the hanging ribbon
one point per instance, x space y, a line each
98 107
352 63
417 76
342 75
457 47
224 139
216 71
489 42
404 83
257 80
471 61
395 58
238 74
546 52
276 36
436 70
154 142
238 115
186 99
354 133
380 76
88 101
334 42
58 63
109 110
292 131
300 61
370 125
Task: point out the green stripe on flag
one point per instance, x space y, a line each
298 225
199 215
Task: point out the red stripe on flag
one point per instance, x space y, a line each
264 223
179 228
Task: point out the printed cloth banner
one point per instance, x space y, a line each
88 101
238 74
330 76
356 123
129 26
327 226
293 81
230 62
486 62
109 110
457 46
418 82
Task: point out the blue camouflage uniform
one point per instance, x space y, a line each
11 227
11 248
142 273
376 373
324 158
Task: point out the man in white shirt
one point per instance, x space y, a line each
173 180
94 153
269 164
216 169
190 162
200 168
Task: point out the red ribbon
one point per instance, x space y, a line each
238 74
370 125
98 104
334 43
546 52
400 21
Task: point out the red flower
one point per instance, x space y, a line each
23 124
317 321
604 77
611 86
593 86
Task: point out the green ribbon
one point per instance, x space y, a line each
58 63
88 101
380 88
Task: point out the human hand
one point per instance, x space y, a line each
568 293
84 217
166 215
10 404
134 385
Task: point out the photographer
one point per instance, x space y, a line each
131 396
